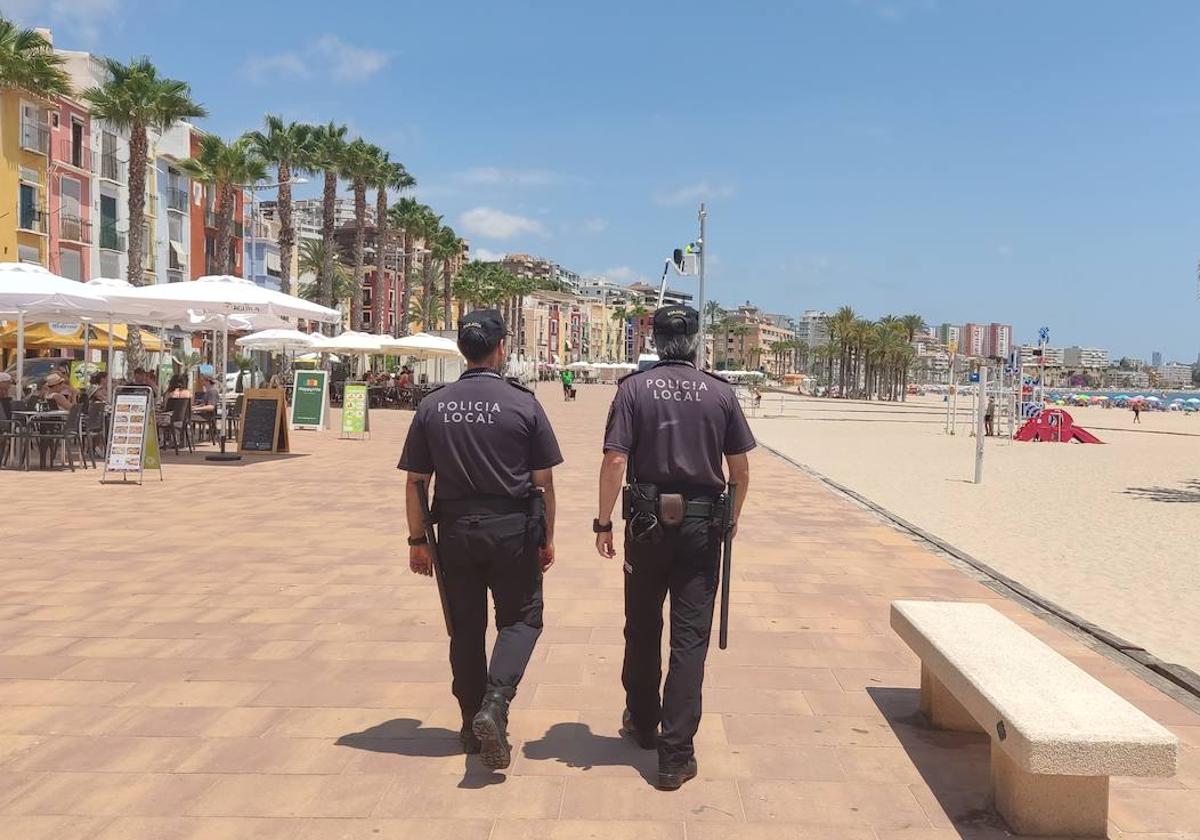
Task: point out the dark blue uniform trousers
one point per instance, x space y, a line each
684 564
481 553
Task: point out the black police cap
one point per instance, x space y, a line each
488 321
677 320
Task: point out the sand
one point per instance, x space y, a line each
1110 532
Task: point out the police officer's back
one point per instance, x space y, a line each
670 427
490 448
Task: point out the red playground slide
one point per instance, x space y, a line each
1054 424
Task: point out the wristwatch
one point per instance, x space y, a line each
597 528
421 540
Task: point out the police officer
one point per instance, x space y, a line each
492 450
669 427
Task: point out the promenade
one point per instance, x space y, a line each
241 652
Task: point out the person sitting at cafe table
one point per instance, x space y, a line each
6 392
205 400
146 378
177 388
98 387
58 391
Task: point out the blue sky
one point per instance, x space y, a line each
1026 162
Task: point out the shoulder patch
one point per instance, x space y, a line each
520 387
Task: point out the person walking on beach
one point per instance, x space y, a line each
492 450
669 427
989 416
1137 412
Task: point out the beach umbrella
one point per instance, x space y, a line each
1153 399
277 340
1193 400
422 345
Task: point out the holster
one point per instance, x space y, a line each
639 507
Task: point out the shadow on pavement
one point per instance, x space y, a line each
1189 492
575 745
406 736
956 766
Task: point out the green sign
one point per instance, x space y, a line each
309 399
165 371
354 409
81 373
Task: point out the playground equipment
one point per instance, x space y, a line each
1055 425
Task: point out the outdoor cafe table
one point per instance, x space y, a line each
27 419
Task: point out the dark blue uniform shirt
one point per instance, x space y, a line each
675 423
481 437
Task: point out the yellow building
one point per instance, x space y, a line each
24 163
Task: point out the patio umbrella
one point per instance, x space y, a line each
277 340
350 341
422 345
30 290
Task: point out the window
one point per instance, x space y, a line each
30 215
29 254
110 264
70 264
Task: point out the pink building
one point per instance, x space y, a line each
70 229
999 341
993 341
973 340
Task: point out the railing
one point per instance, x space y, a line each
35 137
74 229
31 219
111 168
177 199
110 238
75 154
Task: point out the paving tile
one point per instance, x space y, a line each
587 830
376 829
111 794
593 798
516 797
277 796
830 803
197 828
53 827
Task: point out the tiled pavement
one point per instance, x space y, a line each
240 652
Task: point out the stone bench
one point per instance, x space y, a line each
1057 733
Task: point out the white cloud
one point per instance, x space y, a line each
83 20
699 191
486 255
328 56
621 274
494 176
595 225
491 223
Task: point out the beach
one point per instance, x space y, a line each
1108 532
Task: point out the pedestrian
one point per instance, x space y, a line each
492 450
1137 412
568 380
669 427
989 415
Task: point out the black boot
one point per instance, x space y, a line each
672 778
491 727
646 739
470 743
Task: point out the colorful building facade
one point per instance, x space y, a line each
24 178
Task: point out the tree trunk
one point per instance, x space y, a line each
327 202
225 208
139 143
360 220
379 299
287 234
405 297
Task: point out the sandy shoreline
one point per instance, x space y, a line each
1109 532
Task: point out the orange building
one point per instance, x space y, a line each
203 257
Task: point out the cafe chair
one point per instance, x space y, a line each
176 425
49 433
94 431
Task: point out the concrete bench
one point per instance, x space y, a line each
1057 733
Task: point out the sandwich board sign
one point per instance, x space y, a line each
264 428
133 437
356 417
310 400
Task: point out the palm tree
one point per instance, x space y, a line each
134 98
289 146
29 64
841 324
447 248
713 314
740 331
913 324
227 167
358 166
389 174
407 215
312 262
425 313
329 145
426 226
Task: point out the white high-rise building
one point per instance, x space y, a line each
812 328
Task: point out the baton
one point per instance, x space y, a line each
439 574
726 560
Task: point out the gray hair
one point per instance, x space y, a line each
677 347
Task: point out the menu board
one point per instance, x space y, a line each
262 428
355 409
127 440
310 399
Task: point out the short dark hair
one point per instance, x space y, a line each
678 347
476 345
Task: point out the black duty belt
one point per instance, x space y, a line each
479 506
699 509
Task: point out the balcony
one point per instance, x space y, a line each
74 154
110 238
111 169
31 219
35 137
177 199
74 229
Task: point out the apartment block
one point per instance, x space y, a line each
1086 358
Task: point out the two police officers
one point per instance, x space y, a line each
669 428
492 450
